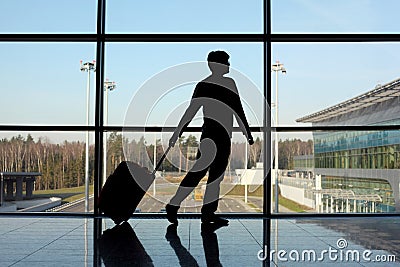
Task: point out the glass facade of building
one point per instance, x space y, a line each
303 162
358 150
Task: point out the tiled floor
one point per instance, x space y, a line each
150 242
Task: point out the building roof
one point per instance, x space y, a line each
380 94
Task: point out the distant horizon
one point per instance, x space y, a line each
149 141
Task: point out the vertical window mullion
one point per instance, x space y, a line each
267 130
99 118
99 125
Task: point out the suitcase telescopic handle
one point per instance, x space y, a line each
161 160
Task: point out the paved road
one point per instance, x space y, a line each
79 207
226 204
157 204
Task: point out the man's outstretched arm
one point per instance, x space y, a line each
185 120
244 125
240 116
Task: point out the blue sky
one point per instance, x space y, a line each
330 16
42 84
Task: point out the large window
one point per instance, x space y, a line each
87 88
88 84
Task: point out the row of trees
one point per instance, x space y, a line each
289 148
180 157
63 165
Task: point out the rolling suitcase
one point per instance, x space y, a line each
125 188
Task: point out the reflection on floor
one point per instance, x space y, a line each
154 242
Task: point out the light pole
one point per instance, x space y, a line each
277 67
87 66
155 164
108 86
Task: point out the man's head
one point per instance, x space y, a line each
218 62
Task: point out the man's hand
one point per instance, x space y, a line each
250 140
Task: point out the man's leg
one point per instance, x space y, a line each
211 195
189 182
215 177
187 185
205 156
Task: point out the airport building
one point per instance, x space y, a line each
76 125
363 166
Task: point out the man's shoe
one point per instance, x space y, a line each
212 218
172 234
172 213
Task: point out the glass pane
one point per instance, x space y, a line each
246 187
51 241
46 171
42 83
47 16
339 16
155 88
243 172
184 17
338 172
337 83
338 241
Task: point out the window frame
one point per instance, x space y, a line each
267 38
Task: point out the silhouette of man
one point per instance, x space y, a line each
219 98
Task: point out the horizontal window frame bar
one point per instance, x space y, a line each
151 37
344 128
234 215
166 129
335 37
47 128
78 128
199 37
159 215
49 37
182 37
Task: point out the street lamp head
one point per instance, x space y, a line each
88 66
113 86
109 85
278 67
